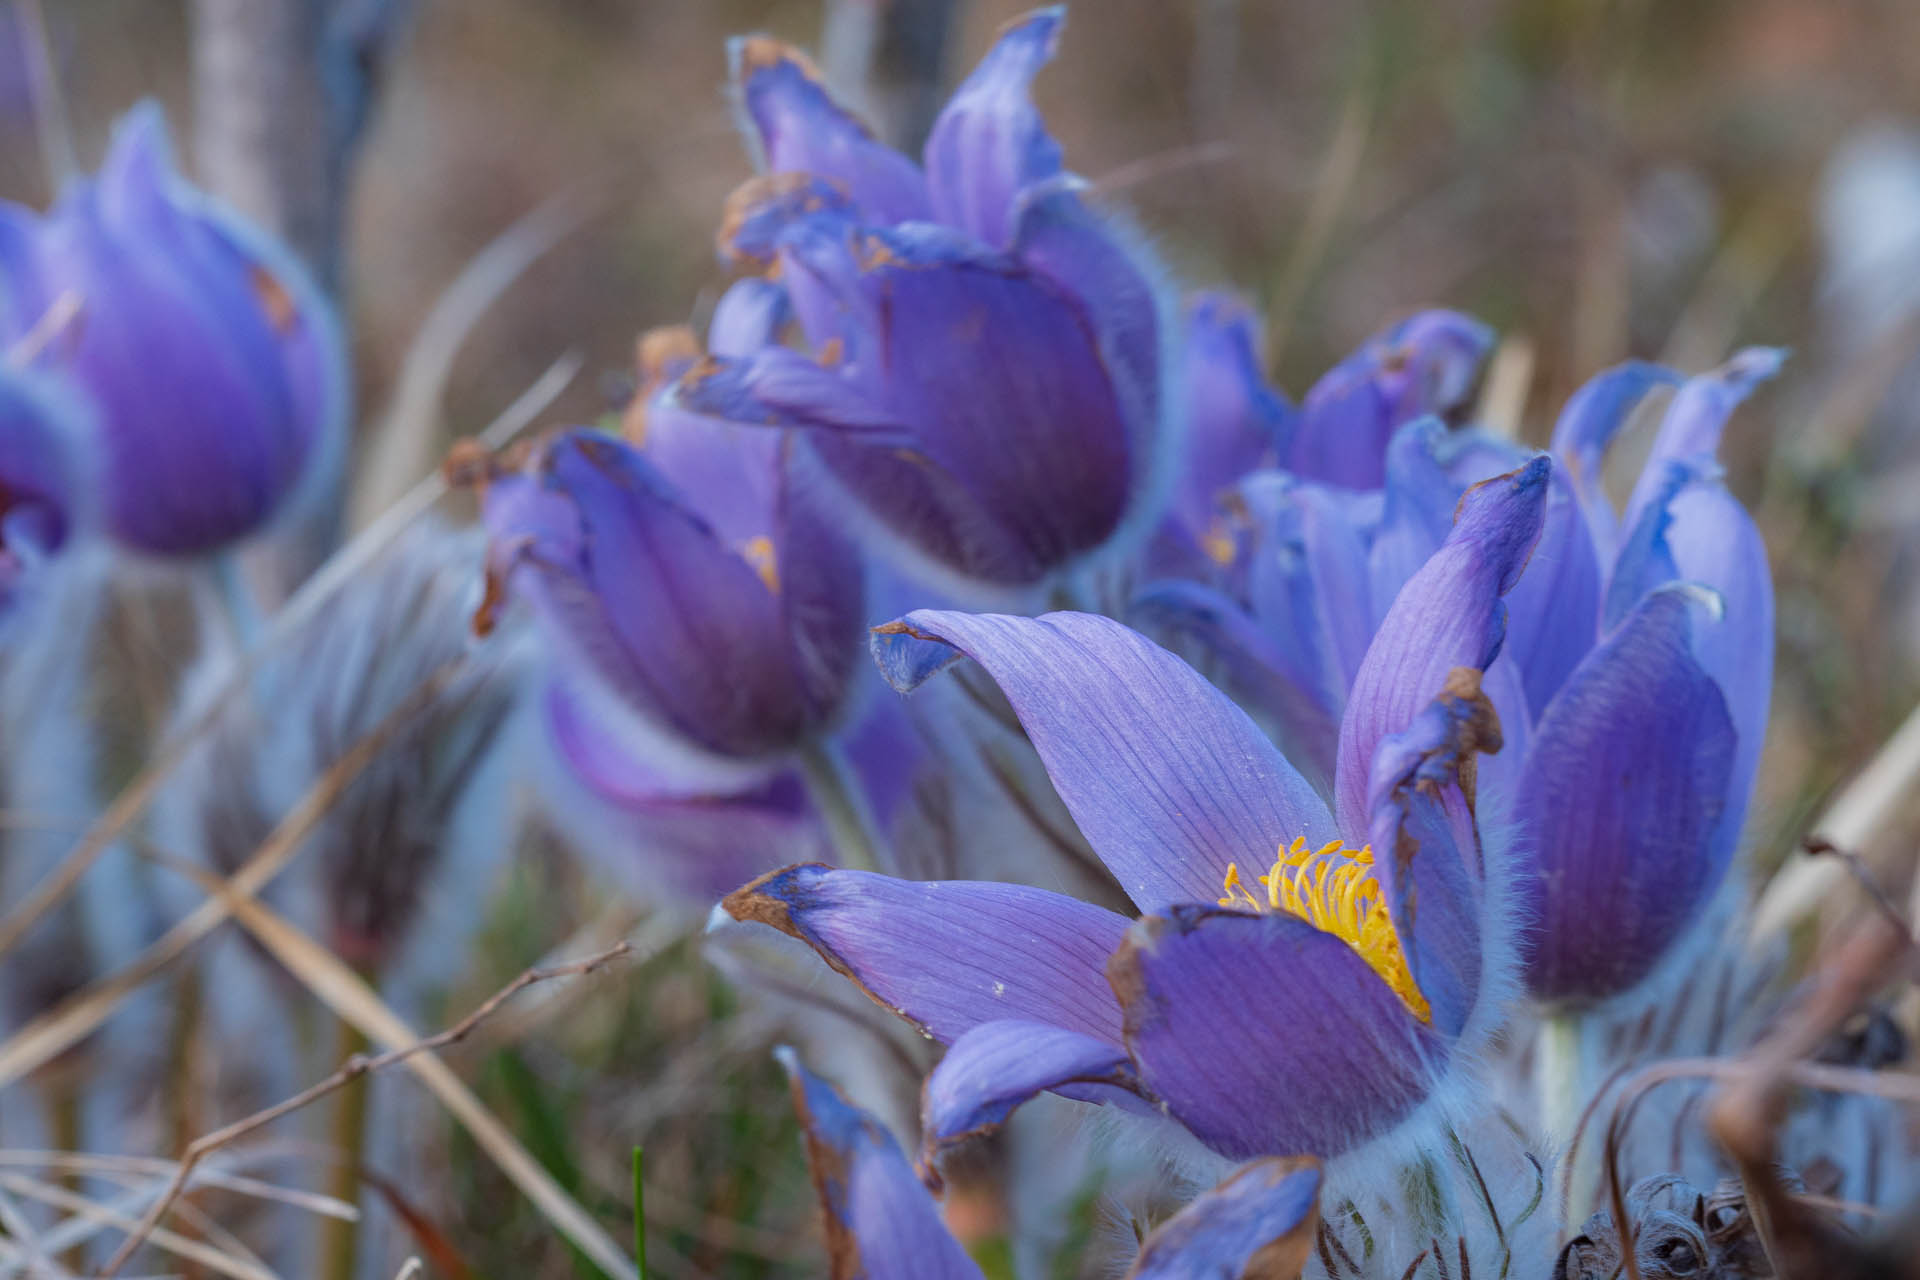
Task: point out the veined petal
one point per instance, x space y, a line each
1449 615
800 128
1259 1224
779 387
949 955
1426 855
1553 613
1587 426
880 1221
998 1065
1262 1034
1621 799
1169 781
1257 668
1421 365
990 144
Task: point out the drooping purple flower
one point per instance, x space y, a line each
44 449
216 367
881 1224
699 586
1354 970
1423 364
986 376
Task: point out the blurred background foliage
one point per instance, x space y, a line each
1598 179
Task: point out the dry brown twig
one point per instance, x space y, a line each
352 1069
1751 1099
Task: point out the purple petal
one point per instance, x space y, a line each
778 387
44 461
1264 1035
800 128
1234 419
880 1221
1620 802
997 1066
1449 615
1167 779
990 145
749 316
1416 514
1259 1224
640 593
1257 670
949 955
1553 614
1715 542
1421 365
658 833
1422 828
1694 421
1308 583
1587 426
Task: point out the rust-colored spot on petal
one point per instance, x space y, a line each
875 253
1475 733
274 299
471 465
755 194
759 53
831 1177
659 356
832 352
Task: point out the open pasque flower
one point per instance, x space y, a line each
882 1225
1642 702
216 367
986 371
1305 977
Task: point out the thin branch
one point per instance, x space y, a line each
352 1069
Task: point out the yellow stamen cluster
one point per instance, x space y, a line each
1333 889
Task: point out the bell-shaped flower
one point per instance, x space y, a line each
1305 977
44 451
1426 363
216 366
881 1224
987 367
1650 680
697 588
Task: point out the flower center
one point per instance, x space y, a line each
1333 889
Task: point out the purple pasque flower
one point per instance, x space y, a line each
1633 729
1354 970
1647 723
1426 363
698 588
216 367
1236 424
693 585
987 376
881 1224
44 448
